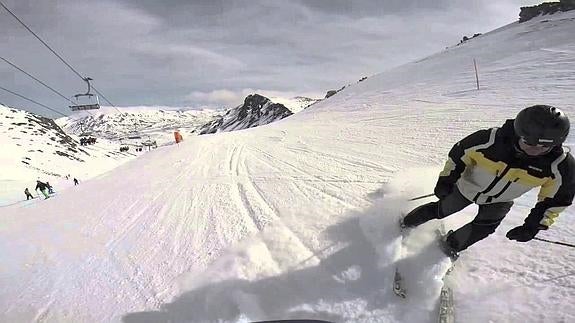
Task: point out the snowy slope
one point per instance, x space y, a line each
296 218
295 104
35 147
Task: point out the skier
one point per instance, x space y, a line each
28 194
492 167
75 181
42 187
50 188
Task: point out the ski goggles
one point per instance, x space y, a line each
537 142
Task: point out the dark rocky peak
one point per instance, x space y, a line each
256 104
256 110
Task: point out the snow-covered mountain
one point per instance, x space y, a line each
34 146
298 219
256 111
295 104
149 123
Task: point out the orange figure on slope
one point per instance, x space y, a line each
178 137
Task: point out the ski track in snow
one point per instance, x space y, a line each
305 179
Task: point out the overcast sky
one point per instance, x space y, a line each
212 53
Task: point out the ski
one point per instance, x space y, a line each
446 308
398 288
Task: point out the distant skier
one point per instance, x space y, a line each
28 194
492 167
75 181
50 188
43 188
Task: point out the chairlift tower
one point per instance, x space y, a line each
83 132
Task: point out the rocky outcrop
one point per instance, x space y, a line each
465 38
333 92
256 110
330 93
546 8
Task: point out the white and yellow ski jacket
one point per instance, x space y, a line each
487 167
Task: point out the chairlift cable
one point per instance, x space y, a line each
44 84
54 52
40 39
38 103
57 55
102 95
35 79
39 81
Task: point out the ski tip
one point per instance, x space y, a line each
401 295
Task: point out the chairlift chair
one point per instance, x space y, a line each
92 102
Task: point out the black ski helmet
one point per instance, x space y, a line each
542 125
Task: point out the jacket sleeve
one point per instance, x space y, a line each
459 158
555 195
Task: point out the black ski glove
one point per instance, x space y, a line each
442 190
523 233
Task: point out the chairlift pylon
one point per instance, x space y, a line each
135 134
149 143
83 131
93 100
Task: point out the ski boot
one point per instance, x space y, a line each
447 249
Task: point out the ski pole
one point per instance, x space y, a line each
421 197
555 242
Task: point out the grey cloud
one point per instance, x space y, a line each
144 52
